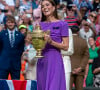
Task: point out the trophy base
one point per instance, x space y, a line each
38 54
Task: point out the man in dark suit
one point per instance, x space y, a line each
11 48
79 60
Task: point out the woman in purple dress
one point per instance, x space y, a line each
50 69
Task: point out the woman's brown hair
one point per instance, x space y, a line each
54 13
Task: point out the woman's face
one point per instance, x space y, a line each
70 12
86 28
47 8
28 39
83 10
92 17
91 41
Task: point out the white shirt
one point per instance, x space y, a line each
2 6
1 17
85 35
67 54
9 2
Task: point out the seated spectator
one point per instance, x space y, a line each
80 3
1 5
62 10
84 10
23 29
96 71
92 20
9 3
27 20
24 6
71 19
98 20
95 4
35 4
92 17
86 32
6 13
98 41
86 3
92 54
37 16
17 18
76 2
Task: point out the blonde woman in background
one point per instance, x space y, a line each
66 60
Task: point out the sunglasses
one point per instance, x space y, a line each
83 10
93 16
86 25
4 11
70 10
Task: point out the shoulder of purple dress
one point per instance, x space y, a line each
43 23
64 22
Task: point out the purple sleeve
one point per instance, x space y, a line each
64 29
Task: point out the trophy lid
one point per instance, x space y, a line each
38 29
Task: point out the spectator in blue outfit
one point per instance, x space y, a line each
85 7
34 4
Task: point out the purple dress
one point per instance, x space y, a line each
50 69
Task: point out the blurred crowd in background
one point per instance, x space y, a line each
84 14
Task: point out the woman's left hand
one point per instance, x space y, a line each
47 38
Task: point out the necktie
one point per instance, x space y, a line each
12 39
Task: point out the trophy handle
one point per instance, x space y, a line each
47 32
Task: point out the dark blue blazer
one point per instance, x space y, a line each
10 57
